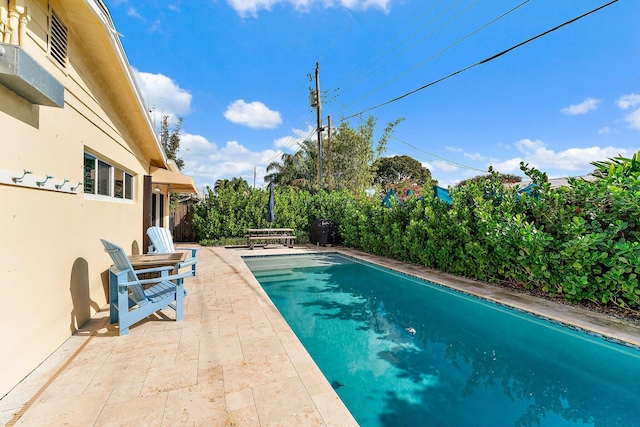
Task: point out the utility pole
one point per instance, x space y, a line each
329 156
319 120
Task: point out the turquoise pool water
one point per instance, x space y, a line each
470 362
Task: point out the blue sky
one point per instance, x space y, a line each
237 71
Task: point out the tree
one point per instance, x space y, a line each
618 166
236 184
352 154
296 170
502 177
393 170
170 140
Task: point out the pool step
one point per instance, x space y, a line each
279 276
271 266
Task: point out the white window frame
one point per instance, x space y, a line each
90 183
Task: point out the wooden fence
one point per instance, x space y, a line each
180 222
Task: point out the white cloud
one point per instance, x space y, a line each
630 101
443 166
582 108
155 27
163 96
206 162
570 161
252 7
133 13
474 156
605 130
427 165
633 119
627 101
508 166
255 115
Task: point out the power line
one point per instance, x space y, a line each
338 82
493 21
279 153
435 156
327 50
413 45
431 160
483 61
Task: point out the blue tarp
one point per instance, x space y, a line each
387 199
438 192
442 194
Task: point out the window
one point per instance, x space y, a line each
58 40
103 179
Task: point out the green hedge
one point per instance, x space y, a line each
580 241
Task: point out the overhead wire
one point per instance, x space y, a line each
493 21
292 140
442 162
339 81
435 156
484 61
343 90
323 54
290 144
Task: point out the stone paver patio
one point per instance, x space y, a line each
232 361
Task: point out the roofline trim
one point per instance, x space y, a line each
102 12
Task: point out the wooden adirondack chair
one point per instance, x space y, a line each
126 307
162 243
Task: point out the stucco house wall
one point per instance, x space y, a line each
53 268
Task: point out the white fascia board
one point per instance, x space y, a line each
102 12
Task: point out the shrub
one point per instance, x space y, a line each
579 241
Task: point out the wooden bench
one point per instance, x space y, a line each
258 234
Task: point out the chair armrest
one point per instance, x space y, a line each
193 250
155 269
157 280
188 262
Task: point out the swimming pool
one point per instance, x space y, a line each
470 362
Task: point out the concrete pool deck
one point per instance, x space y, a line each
232 361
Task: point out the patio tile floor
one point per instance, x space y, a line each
232 361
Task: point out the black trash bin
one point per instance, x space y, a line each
323 232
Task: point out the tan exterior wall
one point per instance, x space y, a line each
53 268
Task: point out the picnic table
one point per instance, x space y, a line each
264 234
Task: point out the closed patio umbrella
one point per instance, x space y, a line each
270 205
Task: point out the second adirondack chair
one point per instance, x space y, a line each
162 243
129 302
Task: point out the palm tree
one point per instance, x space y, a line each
236 184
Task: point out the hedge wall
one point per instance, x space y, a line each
580 241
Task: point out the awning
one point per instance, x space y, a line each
176 182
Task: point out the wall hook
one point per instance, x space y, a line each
19 178
41 183
59 186
76 187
